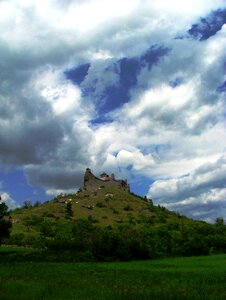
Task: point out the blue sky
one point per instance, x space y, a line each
131 87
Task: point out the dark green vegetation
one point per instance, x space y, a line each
111 224
87 231
174 278
5 225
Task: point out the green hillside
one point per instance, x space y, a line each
105 220
105 201
106 206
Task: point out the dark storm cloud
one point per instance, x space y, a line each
62 166
25 142
29 132
209 25
34 137
59 177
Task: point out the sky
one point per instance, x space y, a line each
133 87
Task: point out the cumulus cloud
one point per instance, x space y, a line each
180 126
11 203
116 86
205 186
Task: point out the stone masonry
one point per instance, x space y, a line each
93 183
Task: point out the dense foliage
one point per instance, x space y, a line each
114 225
5 225
83 240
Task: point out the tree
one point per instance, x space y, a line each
69 211
27 204
219 222
37 203
5 225
220 225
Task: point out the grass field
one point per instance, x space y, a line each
174 278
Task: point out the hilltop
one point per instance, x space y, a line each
105 200
107 220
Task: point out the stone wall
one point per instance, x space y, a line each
93 183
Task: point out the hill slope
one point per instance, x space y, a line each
104 201
108 220
106 206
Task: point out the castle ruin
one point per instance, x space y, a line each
93 183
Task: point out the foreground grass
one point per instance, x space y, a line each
175 278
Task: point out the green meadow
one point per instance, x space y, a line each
201 277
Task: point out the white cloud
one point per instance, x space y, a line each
55 192
92 14
136 159
203 187
166 134
61 94
163 103
11 203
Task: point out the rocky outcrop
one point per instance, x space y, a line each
93 183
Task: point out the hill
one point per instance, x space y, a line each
107 220
103 201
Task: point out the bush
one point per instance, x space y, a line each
37 203
100 204
16 239
5 225
47 214
124 241
128 208
27 204
69 211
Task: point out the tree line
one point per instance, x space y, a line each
83 239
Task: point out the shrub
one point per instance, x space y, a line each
128 208
69 211
37 203
92 219
27 204
48 214
16 239
100 204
